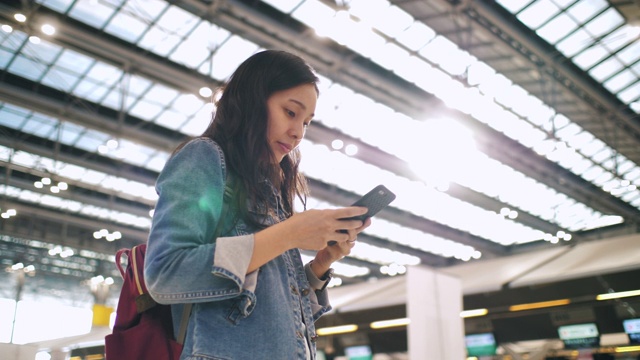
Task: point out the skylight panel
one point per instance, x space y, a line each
198 123
621 80
605 22
40 126
69 133
177 22
602 155
43 52
159 41
630 54
605 69
557 28
113 99
88 89
538 13
94 13
24 158
170 119
630 94
575 43
161 94
12 116
192 52
126 26
91 140
146 10
5 57
363 40
395 20
60 79
389 55
58 5
591 56
27 68
585 10
104 74
137 85
416 36
146 110
134 153
230 55
13 41
624 35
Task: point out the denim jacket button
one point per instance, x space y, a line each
294 290
314 338
305 291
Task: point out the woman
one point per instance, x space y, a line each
252 296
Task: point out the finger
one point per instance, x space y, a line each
350 211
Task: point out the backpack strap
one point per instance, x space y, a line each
186 312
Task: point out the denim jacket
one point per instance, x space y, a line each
266 314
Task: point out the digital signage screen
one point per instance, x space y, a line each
632 328
481 344
579 336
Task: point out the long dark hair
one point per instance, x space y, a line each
239 126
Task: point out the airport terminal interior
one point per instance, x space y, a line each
507 129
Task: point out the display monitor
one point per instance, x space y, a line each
483 344
579 336
632 328
358 352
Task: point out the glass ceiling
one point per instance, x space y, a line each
593 35
171 32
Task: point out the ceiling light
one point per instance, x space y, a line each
617 295
48 29
342 329
473 313
620 349
539 305
7 28
337 144
383 324
20 17
351 149
9 213
205 92
34 39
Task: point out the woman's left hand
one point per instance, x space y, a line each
331 253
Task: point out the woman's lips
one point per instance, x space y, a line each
285 147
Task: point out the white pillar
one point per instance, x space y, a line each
434 303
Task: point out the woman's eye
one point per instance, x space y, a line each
290 113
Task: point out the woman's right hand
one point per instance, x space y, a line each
308 230
313 229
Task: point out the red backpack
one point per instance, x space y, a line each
143 329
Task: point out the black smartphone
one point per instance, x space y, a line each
375 200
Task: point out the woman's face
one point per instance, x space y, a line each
289 113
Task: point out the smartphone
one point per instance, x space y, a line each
375 200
